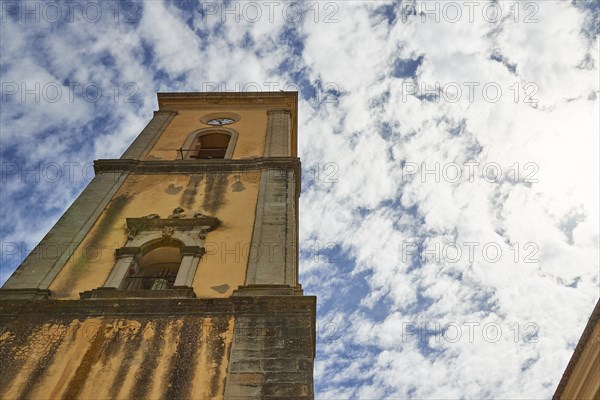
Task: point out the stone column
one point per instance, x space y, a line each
190 258
278 134
273 256
126 258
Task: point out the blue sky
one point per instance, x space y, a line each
449 212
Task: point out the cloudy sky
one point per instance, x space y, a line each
449 212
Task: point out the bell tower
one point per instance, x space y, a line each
175 272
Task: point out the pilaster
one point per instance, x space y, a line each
41 266
142 145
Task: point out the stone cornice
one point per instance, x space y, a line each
195 166
195 251
24 294
158 112
200 166
112 293
98 307
198 99
145 224
128 252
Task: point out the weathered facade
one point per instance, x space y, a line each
175 273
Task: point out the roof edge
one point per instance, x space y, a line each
583 341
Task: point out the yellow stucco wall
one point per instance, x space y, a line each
223 267
102 358
226 260
251 128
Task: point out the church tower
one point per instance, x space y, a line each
175 273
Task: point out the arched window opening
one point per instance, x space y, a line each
211 146
209 143
160 256
157 267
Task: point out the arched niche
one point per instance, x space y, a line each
167 250
210 143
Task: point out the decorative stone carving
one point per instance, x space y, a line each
132 233
145 232
202 234
177 213
179 223
167 232
127 252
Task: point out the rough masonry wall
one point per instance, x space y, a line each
158 348
142 349
273 348
278 141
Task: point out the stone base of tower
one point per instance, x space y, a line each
232 348
273 348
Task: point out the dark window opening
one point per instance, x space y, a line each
156 270
158 277
211 146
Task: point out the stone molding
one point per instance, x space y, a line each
127 252
172 101
204 222
112 293
248 306
268 290
194 251
191 139
24 294
195 166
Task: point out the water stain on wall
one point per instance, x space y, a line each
173 190
215 188
220 288
22 345
183 362
83 370
129 345
143 376
44 362
191 190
